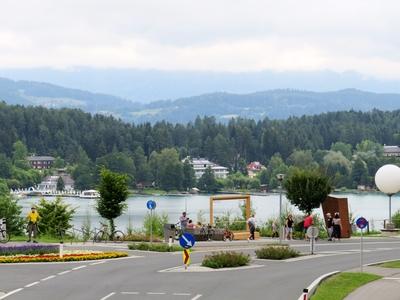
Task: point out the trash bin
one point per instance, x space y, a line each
169 231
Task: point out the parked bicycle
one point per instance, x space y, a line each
4 236
103 235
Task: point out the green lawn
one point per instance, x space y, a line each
41 239
391 264
339 286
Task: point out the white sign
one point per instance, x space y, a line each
312 232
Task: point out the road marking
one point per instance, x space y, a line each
196 297
181 294
391 278
108 296
11 293
80 267
65 272
98 263
155 293
130 293
47 278
32 284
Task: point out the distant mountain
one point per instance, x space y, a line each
274 104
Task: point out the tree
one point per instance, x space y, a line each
60 184
189 179
55 215
345 149
167 169
113 190
307 189
118 162
10 210
19 155
207 182
5 166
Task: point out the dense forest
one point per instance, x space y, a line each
347 145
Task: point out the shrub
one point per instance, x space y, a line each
276 252
140 237
396 219
28 249
157 247
158 223
11 210
226 260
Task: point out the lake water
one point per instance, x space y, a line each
372 206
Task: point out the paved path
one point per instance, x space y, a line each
138 276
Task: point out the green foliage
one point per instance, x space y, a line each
60 184
207 182
157 221
396 219
118 162
307 189
391 264
55 215
226 260
113 193
277 252
157 247
167 169
189 179
10 210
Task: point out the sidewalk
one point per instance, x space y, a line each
386 288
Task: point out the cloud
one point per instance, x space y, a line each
223 35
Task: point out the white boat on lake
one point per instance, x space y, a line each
90 194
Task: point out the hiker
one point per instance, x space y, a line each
33 218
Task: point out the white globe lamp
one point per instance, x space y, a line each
387 179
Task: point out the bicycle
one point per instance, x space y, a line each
102 234
4 236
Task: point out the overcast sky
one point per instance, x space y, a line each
207 35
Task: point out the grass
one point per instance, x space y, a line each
277 252
157 247
390 264
40 239
226 260
339 286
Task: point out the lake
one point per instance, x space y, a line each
372 206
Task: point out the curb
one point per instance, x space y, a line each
379 262
313 286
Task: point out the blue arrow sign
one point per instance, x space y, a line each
151 204
186 240
361 223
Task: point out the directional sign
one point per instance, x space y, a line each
186 240
151 204
312 232
186 257
361 223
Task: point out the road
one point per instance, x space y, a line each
138 276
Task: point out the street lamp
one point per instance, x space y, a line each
387 179
280 178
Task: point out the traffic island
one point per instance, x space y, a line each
156 247
277 252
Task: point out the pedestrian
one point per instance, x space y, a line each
33 217
337 227
252 226
183 220
289 227
329 226
191 225
308 221
275 232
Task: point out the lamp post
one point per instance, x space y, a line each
280 178
387 179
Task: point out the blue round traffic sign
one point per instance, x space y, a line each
151 204
361 223
186 240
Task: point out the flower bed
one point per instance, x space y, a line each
56 258
28 249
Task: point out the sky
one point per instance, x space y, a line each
359 36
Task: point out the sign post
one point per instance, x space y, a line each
361 223
151 204
312 233
186 241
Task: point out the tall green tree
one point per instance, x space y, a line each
307 189
60 184
113 190
189 179
207 182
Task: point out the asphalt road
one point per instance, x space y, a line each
138 276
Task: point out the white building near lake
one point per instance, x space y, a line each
201 164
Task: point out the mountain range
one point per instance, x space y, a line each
274 104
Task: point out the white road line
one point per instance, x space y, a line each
11 293
32 284
154 293
181 294
47 278
98 263
391 278
80 267
65 272
108 296
130 293
196 297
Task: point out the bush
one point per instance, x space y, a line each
226 260
10 210
396 219
277 252
158 247
28 249
140 237
158 223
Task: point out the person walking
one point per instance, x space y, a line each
275 232
329 226
252 226
308 221
337 227
289 227
33 217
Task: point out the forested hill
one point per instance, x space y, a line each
274 104
66 132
